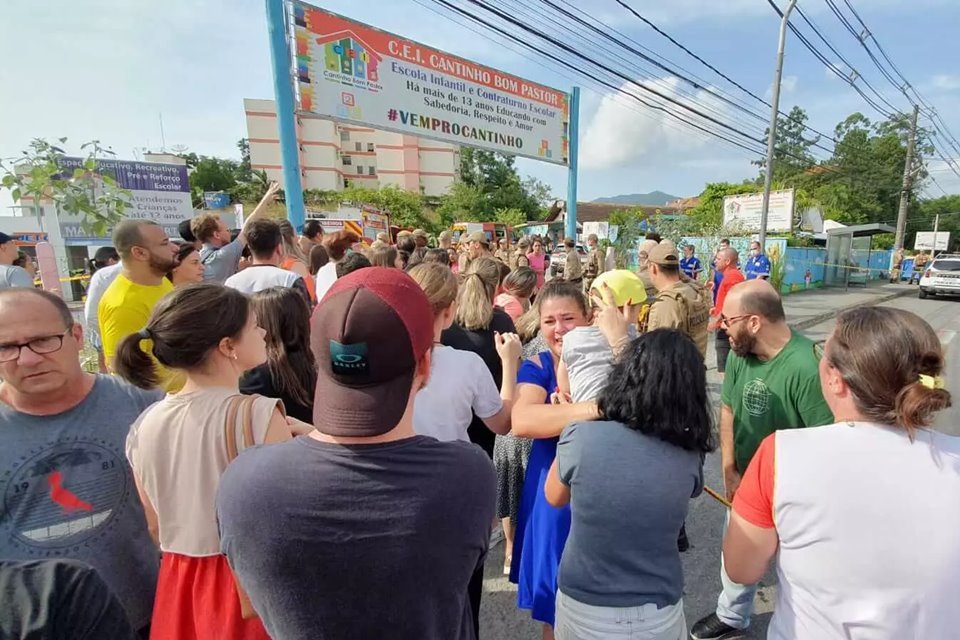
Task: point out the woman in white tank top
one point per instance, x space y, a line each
864 512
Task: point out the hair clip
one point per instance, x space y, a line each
932 382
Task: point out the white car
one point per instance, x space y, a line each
942 276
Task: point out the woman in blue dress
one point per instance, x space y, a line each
538 414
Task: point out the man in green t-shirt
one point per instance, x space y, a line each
772 382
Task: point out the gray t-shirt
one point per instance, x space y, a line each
628 498
14 276
220 263
68 492
589 360
359 541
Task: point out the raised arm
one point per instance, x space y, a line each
259 211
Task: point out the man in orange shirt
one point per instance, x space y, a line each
726 263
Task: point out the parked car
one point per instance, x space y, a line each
559 257
942 276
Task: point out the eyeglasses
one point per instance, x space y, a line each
40 346
727 322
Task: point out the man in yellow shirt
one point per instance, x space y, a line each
147 255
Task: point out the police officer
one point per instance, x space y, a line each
502 253
681 303
594 266
572 269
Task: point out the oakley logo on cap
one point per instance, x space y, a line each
348 359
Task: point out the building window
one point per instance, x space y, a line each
344 135
359 146
346 183
359 169
370 147
347 161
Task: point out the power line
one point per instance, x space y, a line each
829 65
580 72
616 56
856 74
903 85
562 70
714 69
625 78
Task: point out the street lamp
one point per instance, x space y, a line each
774 112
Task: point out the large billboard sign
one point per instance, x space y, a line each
744 211
159 192
352 72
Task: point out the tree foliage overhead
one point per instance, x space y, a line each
859 183
87 192
490 190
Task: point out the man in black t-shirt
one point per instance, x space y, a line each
59 599
331 534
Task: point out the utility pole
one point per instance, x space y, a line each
936 228
772 133
907 181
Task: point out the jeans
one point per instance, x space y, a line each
579 621
735 604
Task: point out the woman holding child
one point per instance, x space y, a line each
541 412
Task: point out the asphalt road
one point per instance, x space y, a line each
501 620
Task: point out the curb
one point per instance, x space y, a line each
810 322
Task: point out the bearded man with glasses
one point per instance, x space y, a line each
772 383
67 489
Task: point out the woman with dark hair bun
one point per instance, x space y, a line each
863 514
629 479
179 447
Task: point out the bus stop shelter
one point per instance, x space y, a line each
848 253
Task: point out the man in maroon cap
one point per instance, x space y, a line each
362 529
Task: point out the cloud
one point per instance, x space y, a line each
946 82
788 84
624 132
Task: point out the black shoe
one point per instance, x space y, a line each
682 542
713 628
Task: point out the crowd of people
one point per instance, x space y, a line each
302 436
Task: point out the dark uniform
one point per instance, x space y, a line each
684 306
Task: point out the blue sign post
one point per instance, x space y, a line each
573 133
286 118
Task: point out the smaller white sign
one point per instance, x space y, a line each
744 211
925 241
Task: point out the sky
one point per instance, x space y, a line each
108 69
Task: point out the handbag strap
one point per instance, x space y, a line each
230 426
247 420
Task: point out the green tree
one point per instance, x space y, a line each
404 207
88 191
488 183
627 222
792 150
212 174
